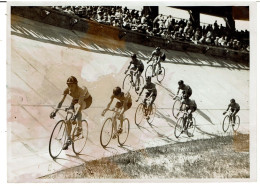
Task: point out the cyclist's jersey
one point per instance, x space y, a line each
79 95
158 54
124 98
186 88
190 103
234 106
137 64
151 88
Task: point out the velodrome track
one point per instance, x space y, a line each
43 57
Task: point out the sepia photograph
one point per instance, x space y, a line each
131 91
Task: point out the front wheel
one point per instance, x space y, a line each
139 114
191 127
151 114
106 132
141 83
176 108
149 71
237 123
225 124
179 127
127 83
160 75
125 131
80 141
57 139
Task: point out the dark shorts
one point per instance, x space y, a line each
234 110
193 109
120 105
88 102
188 93
152 93
141 69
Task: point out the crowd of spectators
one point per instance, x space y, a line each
163 26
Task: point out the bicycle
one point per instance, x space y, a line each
184 124
176 106
228 121
154 68
110 128
143 110
60 135
128 83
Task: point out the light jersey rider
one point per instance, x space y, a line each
138 67
234 110
190 107
159 57
81 100
151 91
186 89
124 103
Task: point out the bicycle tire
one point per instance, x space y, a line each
147 73
140 110
237 124
161 76
140 84
80 141
108 135
150 120
60 141
124 135
191 129
127 83
226 123
178 127
176 108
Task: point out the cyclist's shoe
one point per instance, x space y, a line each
137 88
191 124
66 145
79 132
114 135
119 131
233 124
160 71
148 117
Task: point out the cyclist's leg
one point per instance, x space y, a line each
138 78
231 115
159 64
128 106
234 115
131 72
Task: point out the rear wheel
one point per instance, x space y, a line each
160 76
127 83
179 127
151 114
125 131
106 132
191 128
149 71
139 114
57 139
237 123
176 108
225 124
80 141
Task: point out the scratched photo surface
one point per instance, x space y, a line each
161 128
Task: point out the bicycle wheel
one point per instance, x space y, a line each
176 108
139 114
160 76
80 141
237 123
127 83
149 71
191 128
179 127
106 132
57 139
123 136
152 114
141 84
226 123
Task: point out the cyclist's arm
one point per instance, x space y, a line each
178 91
128 66
111 100
141 91
60 103
151 57
228 107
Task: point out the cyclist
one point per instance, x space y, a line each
124 103
159 56
81 100
190 107
151 91
186 89
138 67
234 109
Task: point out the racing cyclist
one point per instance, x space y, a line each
151 91
138 67
190 107
81 100
186 89
159 57
124 103
234 110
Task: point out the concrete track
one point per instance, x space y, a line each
44 56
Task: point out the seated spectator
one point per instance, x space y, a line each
149 31
203 39
69 10
208 37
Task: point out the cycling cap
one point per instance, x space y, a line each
180 82
232 101
72 80
133 56
116 91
